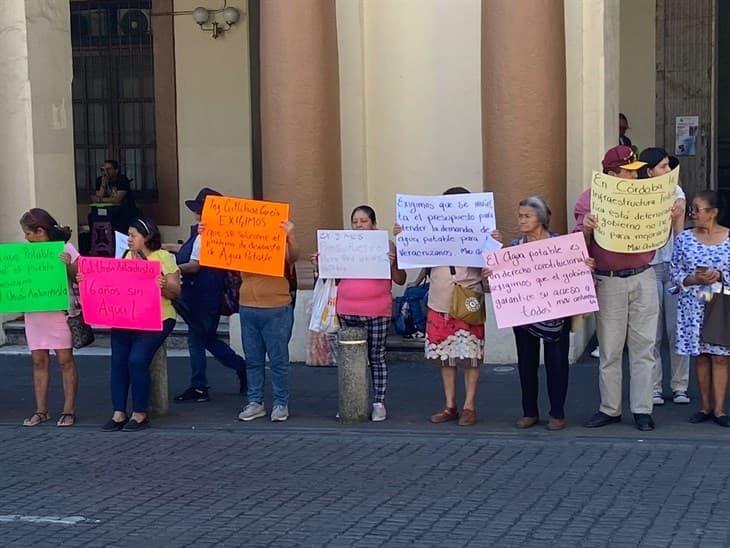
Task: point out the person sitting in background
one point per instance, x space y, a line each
202 292
701 258
658 163
113 188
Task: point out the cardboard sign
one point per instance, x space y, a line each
444 230
542 280
634 215
121 293
244 235
33 278
353 254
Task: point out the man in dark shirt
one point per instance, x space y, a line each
113 188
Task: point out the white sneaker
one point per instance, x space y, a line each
657 398
252 411
596 352
280 413
680 396
378 412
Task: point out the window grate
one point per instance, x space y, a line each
113 92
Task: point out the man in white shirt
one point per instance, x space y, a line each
658 163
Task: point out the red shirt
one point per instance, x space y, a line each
606 260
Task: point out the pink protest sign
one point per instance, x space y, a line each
121 293
541 280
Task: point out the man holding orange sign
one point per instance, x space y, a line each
256 238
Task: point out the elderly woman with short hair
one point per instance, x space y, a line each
534 222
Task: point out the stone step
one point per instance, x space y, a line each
177 344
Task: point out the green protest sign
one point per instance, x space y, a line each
33 278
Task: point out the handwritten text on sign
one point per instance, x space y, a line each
244 235
443 230
33 278
542 280
634 215
120 293
353 254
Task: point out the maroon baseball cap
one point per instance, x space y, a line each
621 157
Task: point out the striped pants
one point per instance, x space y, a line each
377 329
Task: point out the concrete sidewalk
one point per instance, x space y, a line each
414 392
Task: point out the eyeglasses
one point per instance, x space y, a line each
694 209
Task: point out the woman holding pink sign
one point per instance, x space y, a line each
133 350
534 224
46 331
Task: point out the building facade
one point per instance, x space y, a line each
328 104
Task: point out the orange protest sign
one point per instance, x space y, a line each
244 235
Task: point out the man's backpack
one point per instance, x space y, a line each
231 293
232 289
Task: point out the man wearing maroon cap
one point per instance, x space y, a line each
628 308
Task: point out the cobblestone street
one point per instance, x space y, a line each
304 488
200 478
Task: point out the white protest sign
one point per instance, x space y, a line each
448 230
353 254
121 244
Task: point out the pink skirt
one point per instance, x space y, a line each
47 331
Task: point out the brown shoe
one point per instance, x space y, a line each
555 424
445 415
527 422
468 417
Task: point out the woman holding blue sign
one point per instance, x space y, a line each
133 350
46 331
455 331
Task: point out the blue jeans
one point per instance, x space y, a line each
202 336
132 353
267 331
416 299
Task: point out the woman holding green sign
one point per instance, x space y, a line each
46 331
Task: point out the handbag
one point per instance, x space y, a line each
467 305
717 318
324 307
81 332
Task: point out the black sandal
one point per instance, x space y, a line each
61 423
43 416
701 416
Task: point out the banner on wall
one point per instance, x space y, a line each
633 215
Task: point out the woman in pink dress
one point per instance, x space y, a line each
46 331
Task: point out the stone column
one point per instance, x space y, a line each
36 143
352 374
300 125
523 106
159 391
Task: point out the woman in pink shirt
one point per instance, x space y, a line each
46 331
368 303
